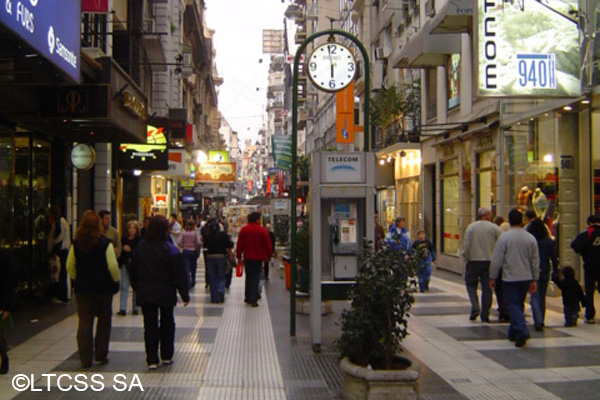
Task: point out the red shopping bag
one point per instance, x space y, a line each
239 269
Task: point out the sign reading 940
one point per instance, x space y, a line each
536 71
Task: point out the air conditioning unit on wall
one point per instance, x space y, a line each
379 55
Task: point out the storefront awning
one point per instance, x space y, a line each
112 109
465 135
424 50
455 16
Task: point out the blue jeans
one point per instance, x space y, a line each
190 258
514 296
538 299
216 271
424 275
125 292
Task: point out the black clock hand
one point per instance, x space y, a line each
330 59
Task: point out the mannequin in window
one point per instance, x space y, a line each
540 203
524 197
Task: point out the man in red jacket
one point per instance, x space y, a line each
254 248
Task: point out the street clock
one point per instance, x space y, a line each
331 67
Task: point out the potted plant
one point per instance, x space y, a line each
375 325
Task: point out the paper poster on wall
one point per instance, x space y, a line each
348 231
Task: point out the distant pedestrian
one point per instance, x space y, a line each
516 254
423 248
174 228
398 237
572 295
145 226
59 242
587 244
480 238
157 274
273 252
217 244
190 242
253 248
129 244
93 266
547 252
111 232
7 298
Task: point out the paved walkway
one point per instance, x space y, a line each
233 351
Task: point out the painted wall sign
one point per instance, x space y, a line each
343 167
51 27
528 48
83 156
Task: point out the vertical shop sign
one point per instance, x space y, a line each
344 126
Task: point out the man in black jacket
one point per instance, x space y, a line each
587 244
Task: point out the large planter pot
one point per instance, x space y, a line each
363 383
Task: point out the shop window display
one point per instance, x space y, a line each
450 234
531 169
486 180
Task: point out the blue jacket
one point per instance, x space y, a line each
398 240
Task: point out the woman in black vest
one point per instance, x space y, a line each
93 266
157 273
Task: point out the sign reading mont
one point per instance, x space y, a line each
528 48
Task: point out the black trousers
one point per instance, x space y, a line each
253 269
89 306
266 268
590 277
155 334
62 289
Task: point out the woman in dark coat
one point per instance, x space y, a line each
157 273
93 266
7 291
547 251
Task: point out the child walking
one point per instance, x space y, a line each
572 295
424 249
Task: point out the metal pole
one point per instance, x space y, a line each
294 167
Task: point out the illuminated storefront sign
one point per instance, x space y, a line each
528 48
51 27
144 157
215 172
218 156
156 135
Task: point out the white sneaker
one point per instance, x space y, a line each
589 321
167 362
153 367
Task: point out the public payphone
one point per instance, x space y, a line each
345 243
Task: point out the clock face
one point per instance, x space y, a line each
331 67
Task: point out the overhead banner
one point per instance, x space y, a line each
215 172
144 157
528 48
51 27
344 126
282 151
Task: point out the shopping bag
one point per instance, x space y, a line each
54 268
239 269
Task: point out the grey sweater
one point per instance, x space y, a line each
516 252
480 239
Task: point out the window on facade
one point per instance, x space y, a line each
450 234
485 181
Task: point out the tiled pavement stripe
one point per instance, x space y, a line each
243 362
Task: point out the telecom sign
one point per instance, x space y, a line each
347 167
528 48
51 27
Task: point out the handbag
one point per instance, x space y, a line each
239 269
54 268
